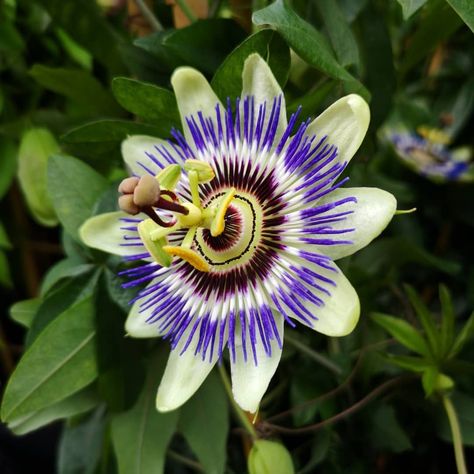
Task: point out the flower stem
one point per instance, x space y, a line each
238 411
320 359
456 432
186 10
149 15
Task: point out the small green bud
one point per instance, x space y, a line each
169 177
204 171
268 457
443 383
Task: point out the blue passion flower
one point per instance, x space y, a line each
234 226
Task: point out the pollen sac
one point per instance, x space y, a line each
127 205
147 191
169 177
204 171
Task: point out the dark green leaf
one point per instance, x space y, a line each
78 403
439 23
149 102
415 364
78 85
466 333
205 43
306 41
409 7
465 9
204 423
74 187
4 240
339 32
386 432
403 332
380 71
23 312
426 319
447 319
67 268
227 81
141 435
59 363
81 445
85 23
5 275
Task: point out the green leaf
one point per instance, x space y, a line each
380 70
80 446
414 364
74 188
37 145
439 23
24 311
78 403
79 86
66 268
340 34
8 163
59 363
65 295
426 319
403 332
386 432
428 380
204 423
141 435
465 9
409 7
227 81
269 457
306 41
205 43
149 102
447 319
86 24
466 333
110 130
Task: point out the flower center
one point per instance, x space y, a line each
212 220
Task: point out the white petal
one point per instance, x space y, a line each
134 151
104 232
184 374
345 123
137 325
193 95
250 381
258 81
372 213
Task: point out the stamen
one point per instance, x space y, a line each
189 255
155 248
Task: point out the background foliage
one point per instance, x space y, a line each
77 77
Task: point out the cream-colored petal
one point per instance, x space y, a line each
184 373
258 81
341 310
193 95
134 153
345 124
250 381
104 232
137 325
372 212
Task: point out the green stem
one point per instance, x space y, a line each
149 15
320 359
186 10
456 432
238 411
